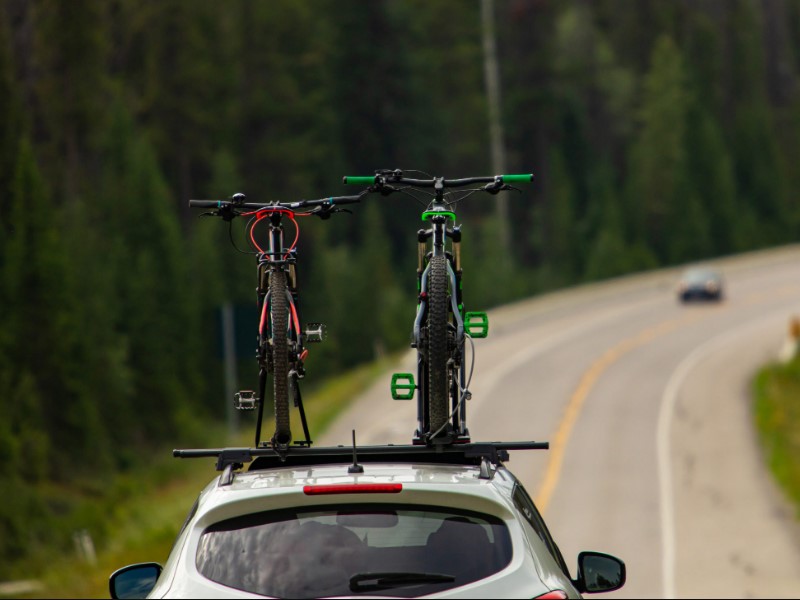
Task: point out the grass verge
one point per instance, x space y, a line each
143 522
777 416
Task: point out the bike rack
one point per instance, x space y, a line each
457 454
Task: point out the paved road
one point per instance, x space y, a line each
646 404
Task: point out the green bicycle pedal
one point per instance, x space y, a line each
476 324
403 386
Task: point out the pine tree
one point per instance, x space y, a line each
70 50
32 341
658 158
757 163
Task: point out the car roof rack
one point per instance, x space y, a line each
454 454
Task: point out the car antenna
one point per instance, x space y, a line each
355 467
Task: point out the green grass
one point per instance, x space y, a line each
142 511
777 416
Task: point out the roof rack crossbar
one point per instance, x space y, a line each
470 453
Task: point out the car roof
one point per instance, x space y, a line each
434 474
469 477
458 487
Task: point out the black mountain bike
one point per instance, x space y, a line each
441 325
281 348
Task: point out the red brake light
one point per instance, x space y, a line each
354 488
554 595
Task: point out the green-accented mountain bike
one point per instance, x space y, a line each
281 348
441 325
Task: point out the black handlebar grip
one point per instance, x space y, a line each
206 203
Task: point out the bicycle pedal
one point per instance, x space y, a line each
476 324
245 400
315 333
403 386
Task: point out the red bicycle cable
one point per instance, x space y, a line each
263 319
263 213
295 318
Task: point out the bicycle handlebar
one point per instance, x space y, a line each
394 178
359 180
526 178
205 203
331 201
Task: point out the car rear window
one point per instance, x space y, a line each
700 276
354 549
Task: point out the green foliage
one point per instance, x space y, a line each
777 416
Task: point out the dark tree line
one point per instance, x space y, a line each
660 132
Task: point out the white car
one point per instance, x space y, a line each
398 521
701 283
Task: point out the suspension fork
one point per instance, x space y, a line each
439 232
269 262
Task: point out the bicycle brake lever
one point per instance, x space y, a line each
384 189
227 213
494 187
323 212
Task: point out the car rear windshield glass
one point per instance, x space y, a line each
354 549
700 276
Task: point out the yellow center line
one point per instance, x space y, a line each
559 441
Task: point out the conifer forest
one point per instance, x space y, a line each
659 133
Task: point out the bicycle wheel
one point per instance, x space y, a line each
437 343
279 323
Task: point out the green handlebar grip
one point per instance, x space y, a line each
359 180
518 178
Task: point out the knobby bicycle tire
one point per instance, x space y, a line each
437 343
279 317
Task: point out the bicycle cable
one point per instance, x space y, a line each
233 242
428 175
465 194
405 191
465 393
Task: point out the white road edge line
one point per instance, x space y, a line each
668 401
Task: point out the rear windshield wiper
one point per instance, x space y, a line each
368 582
